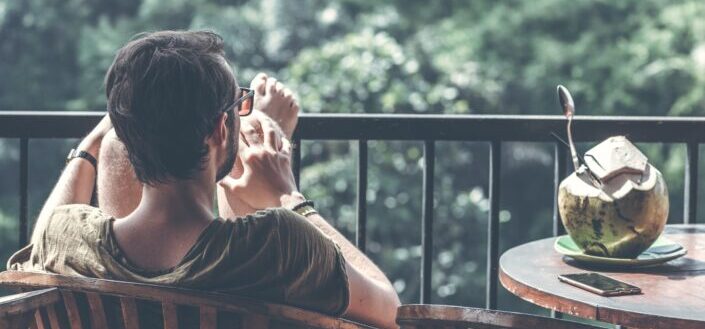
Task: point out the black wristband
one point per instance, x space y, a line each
307 203
74 153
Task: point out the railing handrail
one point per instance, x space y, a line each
528 128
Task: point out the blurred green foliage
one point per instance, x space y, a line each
363 56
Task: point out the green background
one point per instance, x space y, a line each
364 56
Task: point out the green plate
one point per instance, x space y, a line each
661 251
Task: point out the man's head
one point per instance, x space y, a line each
167 97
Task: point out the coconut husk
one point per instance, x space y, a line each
623 210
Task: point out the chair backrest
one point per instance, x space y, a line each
79 303
451 317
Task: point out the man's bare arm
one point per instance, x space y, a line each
76 183
372 297
119 191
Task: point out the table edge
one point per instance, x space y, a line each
536 296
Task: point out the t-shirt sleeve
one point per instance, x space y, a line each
65 243
313 265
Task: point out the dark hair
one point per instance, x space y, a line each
165 91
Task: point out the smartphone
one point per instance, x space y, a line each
599 284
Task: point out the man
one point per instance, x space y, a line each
175 105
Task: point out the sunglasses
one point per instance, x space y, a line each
242 111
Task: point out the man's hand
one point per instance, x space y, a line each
262 176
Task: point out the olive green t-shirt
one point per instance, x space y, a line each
274 255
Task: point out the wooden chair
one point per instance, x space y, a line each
61 302
452 317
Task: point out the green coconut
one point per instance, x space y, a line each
617 204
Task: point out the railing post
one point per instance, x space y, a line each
560 168
361 231
493 226
296 161
559 172
24 191
690 194
427 222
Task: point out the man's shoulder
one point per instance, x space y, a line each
270 217
73 220
65 243
82 211
290 228
273 224
290 224
76 215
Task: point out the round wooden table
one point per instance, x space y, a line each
673 294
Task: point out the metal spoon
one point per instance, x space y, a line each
593 178
568 106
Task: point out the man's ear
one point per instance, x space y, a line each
220 133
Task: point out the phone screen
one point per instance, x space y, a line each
599 282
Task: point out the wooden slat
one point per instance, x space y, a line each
32 323
97 314
130 317
171 320
39 320
209 317
72 309
255 321
54 322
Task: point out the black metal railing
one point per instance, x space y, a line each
494 129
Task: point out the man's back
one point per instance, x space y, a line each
275 255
